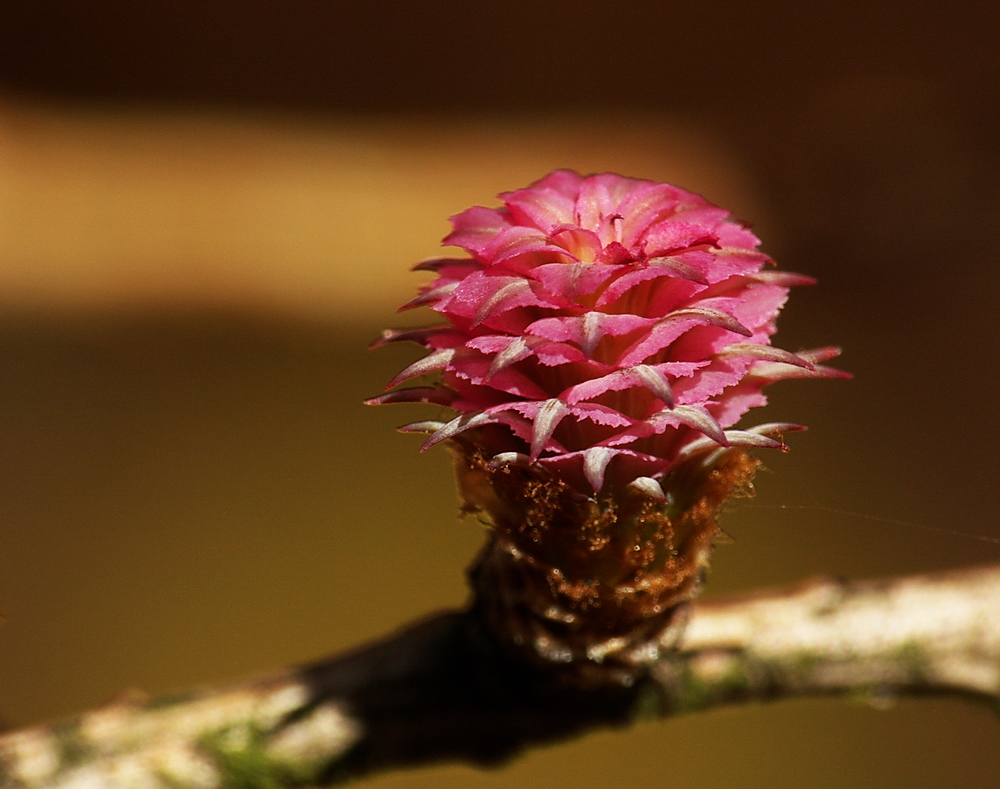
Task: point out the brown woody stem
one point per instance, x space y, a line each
442 690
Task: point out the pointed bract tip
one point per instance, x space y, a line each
649 487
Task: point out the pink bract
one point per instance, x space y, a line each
602 328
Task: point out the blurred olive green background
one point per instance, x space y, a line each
208 210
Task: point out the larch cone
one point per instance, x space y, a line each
599 342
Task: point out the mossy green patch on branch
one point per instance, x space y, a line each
240 752
716 677
912 657
73 748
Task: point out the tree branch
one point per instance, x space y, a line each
441 690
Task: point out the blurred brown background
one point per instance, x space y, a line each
208 209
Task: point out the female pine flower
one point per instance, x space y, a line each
599 343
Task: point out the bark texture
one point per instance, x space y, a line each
443 690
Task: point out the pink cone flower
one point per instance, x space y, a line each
605 328
599 343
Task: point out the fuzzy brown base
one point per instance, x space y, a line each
597 584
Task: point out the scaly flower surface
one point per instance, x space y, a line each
604 328
600 342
